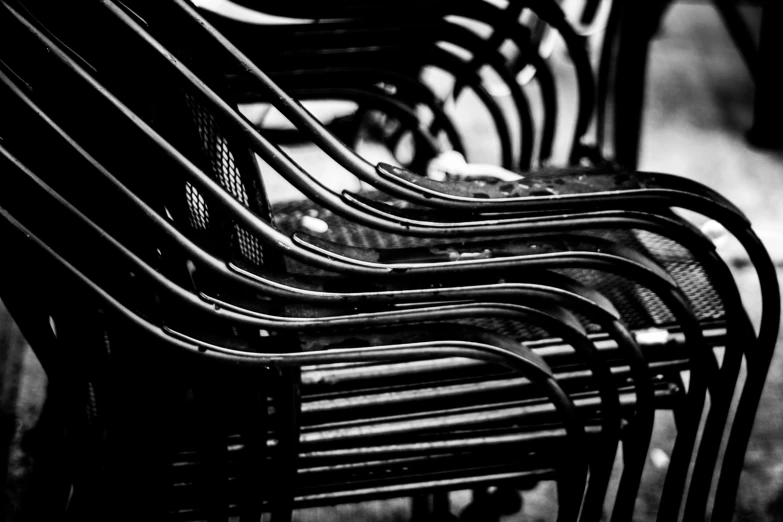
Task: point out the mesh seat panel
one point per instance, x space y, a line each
223 167
639 306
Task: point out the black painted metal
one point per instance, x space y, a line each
578 192
767 107
186 343
442 313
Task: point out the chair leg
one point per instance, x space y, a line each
767 131
639 23
287 412
254 474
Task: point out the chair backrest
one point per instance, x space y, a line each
441 35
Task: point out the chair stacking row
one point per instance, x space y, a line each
214 352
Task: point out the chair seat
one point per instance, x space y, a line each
638 306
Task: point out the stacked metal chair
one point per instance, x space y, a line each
208 361
428 30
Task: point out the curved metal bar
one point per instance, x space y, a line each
680 195
664 226
154 274
593 223
438 312
512 11
715 206
409 230
549 12
470 41
212 190
575 188
411 91
671 190
441 313
758 366
346 158
378 101
430 55
506 27
569 330
654 185
504 353
546 82
374 48
458 67
237 314
149 210
765 344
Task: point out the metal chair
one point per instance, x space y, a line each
344 263
298 324
770 300
78 247
20 139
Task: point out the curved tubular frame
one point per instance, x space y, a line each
646 191
410 90
372 99
469 41
500 351
213 191
765 344
512 11
504 28
235 205
347 158
757 256
666 190
576 337
374 48
701 199
180 239
672 190
463 37
453 65
549 12
328 264
150 209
